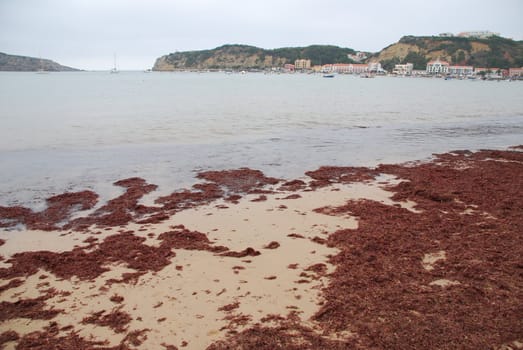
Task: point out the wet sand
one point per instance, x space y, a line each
409 256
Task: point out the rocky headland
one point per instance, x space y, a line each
13 63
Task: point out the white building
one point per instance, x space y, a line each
358 57
403 69
341 68
437 67
461 70
481 34
359 68
375 67
345 68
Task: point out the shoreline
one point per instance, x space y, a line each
345 258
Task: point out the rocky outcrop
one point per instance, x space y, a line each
224 57
30 64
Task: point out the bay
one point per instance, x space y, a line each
71 131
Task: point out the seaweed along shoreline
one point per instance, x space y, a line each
404 256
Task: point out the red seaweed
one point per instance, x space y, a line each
49 339
246 252
240 180
59 209
27 308
469 205
7 337
229 307
11 284
117 320
120 248
327 175
272 245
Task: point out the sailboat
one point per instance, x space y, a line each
114 70
41 69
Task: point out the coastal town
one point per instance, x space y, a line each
470 55
435 68
369 67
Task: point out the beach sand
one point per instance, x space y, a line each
419 255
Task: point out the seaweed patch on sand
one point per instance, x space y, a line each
419 255
469 206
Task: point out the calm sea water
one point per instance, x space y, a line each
72 131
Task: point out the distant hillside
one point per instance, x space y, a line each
250 57
492 52
30 64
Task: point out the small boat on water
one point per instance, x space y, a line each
41 69
328 75
114 70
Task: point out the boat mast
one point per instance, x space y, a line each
114 70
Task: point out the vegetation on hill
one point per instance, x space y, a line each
30 64
494 52
250 57
491 52
318 54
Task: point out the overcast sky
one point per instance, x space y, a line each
87 33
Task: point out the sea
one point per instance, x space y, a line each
73 131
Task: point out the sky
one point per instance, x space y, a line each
88 34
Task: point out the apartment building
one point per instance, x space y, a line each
438 67
461 70
302 64
403 69
515 72
345 68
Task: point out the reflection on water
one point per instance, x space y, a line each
73 131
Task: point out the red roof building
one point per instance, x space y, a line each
515 72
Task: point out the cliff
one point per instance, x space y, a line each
249 57
492 52
30 64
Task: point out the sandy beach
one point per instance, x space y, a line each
407 256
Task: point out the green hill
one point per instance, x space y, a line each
492 52
250 57
30 64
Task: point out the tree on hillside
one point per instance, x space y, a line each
459 57
389 64
318 54
418 60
